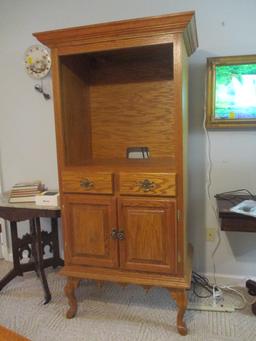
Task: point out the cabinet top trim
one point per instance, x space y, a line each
171 23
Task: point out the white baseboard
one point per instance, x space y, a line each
3 240
221 279
230 280
7 255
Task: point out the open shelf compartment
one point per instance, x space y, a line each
113 100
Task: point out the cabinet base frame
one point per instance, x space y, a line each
179 295
177 286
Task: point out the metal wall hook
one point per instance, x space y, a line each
40 89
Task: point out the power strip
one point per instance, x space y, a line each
218 307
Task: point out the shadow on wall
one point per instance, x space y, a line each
242 245
196 160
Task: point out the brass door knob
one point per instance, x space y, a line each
120 235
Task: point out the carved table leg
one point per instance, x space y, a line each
7 278
180 296
72 284
33 257
57 261
39 265
17 270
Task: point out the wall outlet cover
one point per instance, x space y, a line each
211 234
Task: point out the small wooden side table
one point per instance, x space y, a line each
34 242
231 221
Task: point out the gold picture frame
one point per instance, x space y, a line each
231 92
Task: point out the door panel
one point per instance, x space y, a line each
149 242
89 221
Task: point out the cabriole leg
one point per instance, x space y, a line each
72 284
180 296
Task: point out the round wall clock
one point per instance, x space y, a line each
37 61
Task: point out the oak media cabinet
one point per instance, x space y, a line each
119 85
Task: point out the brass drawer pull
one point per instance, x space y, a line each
87 184
147 185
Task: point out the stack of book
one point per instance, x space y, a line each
26 191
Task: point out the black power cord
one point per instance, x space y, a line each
232 195
202 282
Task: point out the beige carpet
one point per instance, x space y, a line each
111 313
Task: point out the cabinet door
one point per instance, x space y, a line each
149 231
88 223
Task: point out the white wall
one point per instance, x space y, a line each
1 222
27 137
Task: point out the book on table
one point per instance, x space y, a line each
26 185
25 191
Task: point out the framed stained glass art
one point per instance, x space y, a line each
231 92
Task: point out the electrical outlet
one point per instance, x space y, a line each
211 234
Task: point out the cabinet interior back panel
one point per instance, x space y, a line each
128 115
132 103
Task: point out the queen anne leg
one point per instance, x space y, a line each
180 296
72 284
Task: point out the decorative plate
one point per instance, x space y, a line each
37 61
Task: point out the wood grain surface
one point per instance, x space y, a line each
75 116
100 182
150 235
9 335
150 26
89 221
163 184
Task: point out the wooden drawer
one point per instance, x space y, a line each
85 182
159 184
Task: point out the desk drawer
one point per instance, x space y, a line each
152 184
83 182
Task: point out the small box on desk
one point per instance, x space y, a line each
48 198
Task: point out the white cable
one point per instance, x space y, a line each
239 293
208 191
